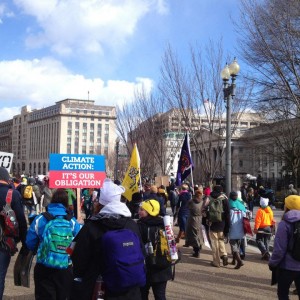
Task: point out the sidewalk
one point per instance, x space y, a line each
181 288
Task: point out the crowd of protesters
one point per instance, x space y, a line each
194 209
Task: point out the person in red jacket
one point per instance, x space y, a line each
263 227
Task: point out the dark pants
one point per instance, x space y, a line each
52 284
158 288
285 279
242 248
4 263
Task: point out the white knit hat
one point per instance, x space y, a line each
264 202
110 192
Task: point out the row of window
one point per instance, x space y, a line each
87 111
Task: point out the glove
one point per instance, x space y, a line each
272 268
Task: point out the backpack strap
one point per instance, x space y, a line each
9 196
50 217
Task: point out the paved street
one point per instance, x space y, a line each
196 279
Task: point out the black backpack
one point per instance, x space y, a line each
295 243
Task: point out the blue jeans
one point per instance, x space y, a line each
263 239
285 279
182 219
4 263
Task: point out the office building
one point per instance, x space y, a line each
69 126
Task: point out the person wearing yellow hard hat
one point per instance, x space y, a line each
159 270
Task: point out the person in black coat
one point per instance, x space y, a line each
86 256
154 195
17 207
157 275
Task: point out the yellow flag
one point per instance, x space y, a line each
132 177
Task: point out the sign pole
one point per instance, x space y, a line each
79 216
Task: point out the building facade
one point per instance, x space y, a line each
69 126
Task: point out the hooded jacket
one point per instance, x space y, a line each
281 256
36 230
16 205
263 218
86 257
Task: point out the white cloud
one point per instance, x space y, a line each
72 26
40 83
5 12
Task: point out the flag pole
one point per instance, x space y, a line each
189 143
192 181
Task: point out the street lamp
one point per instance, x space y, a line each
229 92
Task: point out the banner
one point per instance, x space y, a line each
76 171
132 177
6 160
185 163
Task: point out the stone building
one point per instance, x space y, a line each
69 126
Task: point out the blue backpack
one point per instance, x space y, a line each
57 236
123 259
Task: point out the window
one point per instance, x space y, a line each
241 163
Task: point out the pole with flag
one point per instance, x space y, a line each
185 163
131 181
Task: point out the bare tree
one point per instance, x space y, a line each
140 122
270 40
196 91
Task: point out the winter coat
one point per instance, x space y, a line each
47 193
193 233
182 204
154 274
282 243
236 230
16 205
36 230
263 218
225 224
86 257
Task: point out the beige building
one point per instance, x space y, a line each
172 126
69 126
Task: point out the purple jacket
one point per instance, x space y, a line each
281 256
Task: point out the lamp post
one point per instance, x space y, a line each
229 92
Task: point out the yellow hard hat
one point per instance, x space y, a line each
151 206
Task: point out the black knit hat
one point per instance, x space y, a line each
233 195
4 174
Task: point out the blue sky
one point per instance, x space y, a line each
57 49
